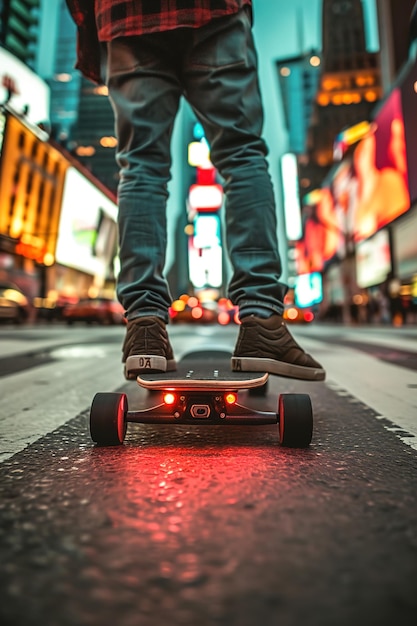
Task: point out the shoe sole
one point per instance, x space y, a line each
147 363
279 368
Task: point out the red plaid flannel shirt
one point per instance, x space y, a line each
103 20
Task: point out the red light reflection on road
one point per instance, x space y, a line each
161 490
189 499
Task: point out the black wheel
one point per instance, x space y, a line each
108 418
295 420
262 390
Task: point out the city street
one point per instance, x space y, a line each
208 158
201 525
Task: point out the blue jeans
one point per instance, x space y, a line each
215 69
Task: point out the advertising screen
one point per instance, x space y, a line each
205 197
373 260
31 95
365 192
308 289
32 177
408 81
325 226
205 252
2 130
405 245
290 191
207 231
87 229
380 167
408 87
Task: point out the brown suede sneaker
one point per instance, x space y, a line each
267 345
146 347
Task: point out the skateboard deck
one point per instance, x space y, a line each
201 374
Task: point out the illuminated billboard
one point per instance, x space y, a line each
373 260
290 186
408 81
405 245
381 171
87 229
31 94
308 289
32 174
205 197
2 129
366 191
205 252
324 232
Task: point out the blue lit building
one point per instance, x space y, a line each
56 60
298 79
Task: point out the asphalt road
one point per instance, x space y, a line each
202 525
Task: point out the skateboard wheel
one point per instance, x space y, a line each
295 420
108 418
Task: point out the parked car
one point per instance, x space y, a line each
94 310
14 305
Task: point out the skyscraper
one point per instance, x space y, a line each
81 115
94 133
56 60
298 78
349 86
19 21
394 33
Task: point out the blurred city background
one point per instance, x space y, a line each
339 83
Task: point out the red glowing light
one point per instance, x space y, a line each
169 398
230 398
197 312
309 316
223 318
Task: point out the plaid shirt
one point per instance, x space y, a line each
103 20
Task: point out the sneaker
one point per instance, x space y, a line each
267 345
146 347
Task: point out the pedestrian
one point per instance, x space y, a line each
151 56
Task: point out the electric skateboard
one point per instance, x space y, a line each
202 390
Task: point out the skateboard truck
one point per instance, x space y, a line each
109 415
208 407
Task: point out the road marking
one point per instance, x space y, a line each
37 401
388 389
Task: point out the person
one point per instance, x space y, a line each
154 53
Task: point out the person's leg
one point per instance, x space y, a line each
221 81
144 92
